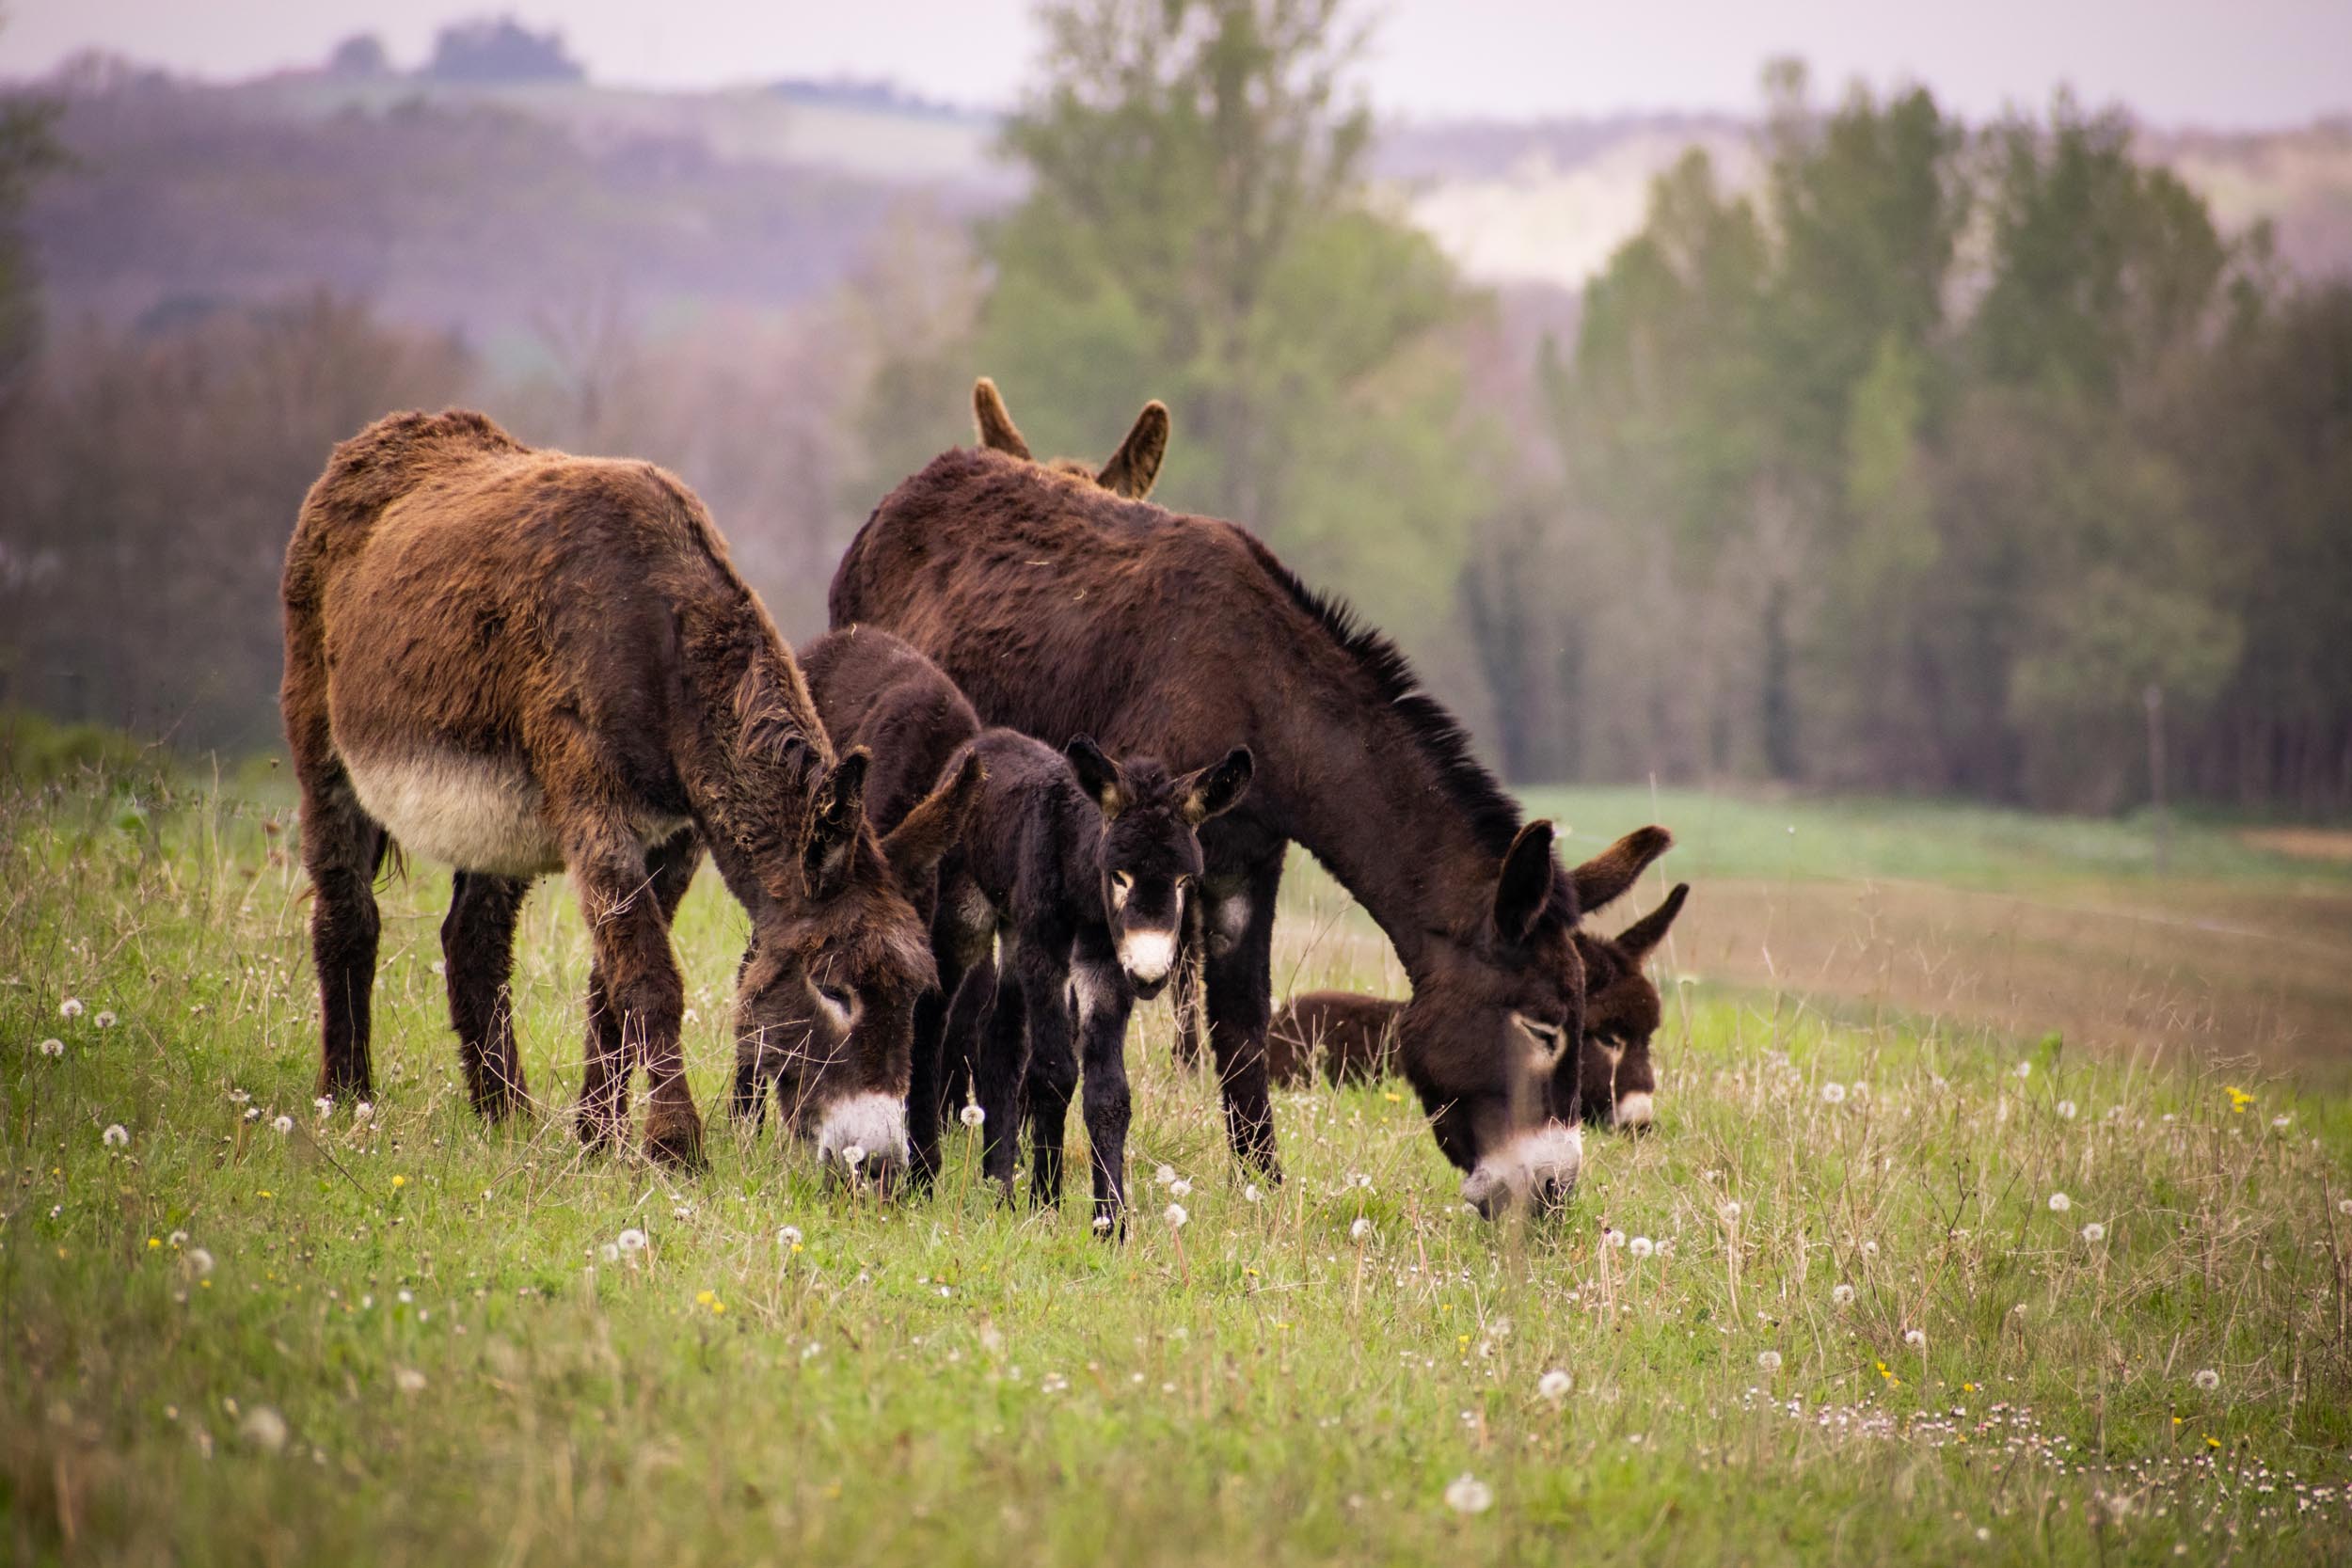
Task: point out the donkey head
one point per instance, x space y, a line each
1131 471
825 1002
1150 851
1617 1084
1492 1038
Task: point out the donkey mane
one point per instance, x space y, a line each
1493 815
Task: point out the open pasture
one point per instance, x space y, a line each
411 1339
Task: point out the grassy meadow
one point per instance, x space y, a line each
1912 1272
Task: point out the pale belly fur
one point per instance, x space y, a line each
474 813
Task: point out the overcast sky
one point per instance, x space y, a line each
2241 63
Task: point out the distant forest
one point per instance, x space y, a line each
1936 459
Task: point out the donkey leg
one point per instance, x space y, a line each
1185 995
643 995
341 848
1052 1079
999 1065
960 947
1241 1005
478 959
1105 1000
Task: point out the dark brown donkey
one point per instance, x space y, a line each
519 661
1352 1038
1062 610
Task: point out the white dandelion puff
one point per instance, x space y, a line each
2207 1380
1177 1217
2066 1110
2343 1206
612 1253
1610 1236
1834 1094
69 1007
1768 1361
264 1428
2024 1070
408 1380
1640 1246
854 1155
2060 1203
1915 1338
115 1136
200 1261
1467 1494
1361 1228
283 1124
1554 1385
238 1097
2094 1232
252 1113
1165 1175
1869 1249
789 1237
632 1239
52 1047
972 1115
1180 1188
1251 1194
1841 1294
364 1112
1729 1210
325 1107
105 1020
2281 1122
179 1238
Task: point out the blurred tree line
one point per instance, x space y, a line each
1923 467
1916 467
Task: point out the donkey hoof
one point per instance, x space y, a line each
598 1133
678 1145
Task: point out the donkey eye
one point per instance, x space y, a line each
1121 880
1546 1034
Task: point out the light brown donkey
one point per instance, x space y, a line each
519 661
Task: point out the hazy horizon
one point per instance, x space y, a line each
2263 63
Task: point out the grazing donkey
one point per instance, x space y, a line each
1353 1037
519 661
1080 864
1061 609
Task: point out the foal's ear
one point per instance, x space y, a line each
1524 889
998 431
1217 789
836 815
1647 932
931 830
1098 775
1135 466
1607 875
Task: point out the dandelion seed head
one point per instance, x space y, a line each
789 1237
1612 1236
1640 1246
632 1239
1361 1228
854 1155
1554 1385
1177 1217
1165 1175
364 1111
115 1136
1251 1194
264 1428
52 1047
325 1107
972 1115
1834 1094
2060 1203
1729 1210
1915 1338
1467 1494
2024 1070
1842 1295
1869 1249
1768 1361
2207 1380
69 1007
612 1254
2094 1232
104 1021
2066 1110
178 1238
283 1123
199 1260
1180 1188
408 1380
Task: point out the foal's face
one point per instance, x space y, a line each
1617 1081
1149 855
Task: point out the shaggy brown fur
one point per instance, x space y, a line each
1061 609
517 661
1352 1038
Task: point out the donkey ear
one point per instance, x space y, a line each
998 431
1217 789
836 814
1098 775
1524 889
1135 466
1607 875
931 830
1649 931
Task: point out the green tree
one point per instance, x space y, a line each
28 149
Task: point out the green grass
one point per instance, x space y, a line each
463 1375
1958 844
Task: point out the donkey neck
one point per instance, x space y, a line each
1360 791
